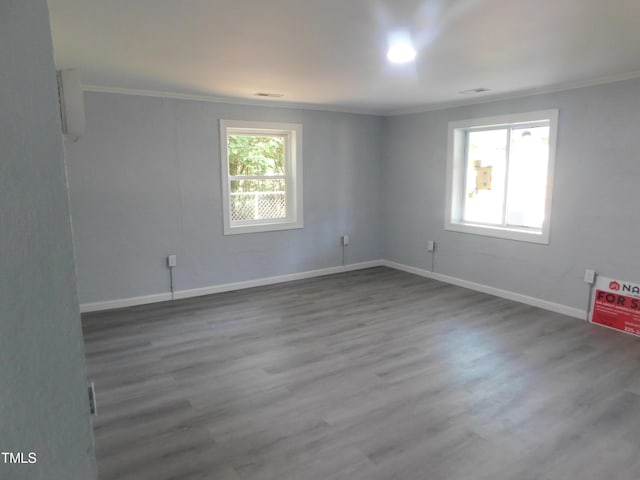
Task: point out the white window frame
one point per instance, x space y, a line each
456 168
292 133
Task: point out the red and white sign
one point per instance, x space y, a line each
616 304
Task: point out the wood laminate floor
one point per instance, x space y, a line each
369 375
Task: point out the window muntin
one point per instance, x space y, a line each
500 173
262 186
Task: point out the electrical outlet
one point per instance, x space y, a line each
345 240
172 261
589 276
431 246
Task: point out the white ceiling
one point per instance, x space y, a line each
332 52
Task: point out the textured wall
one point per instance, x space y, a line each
594 220
43 397
145 182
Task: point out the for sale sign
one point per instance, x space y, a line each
616 304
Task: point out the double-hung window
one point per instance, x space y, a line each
261 176
500 176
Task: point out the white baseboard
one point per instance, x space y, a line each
498 292
259 282
225 287
124 302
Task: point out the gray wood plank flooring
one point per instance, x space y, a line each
375 374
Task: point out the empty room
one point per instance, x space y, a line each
319 240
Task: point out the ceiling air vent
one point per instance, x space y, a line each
474 91
270 95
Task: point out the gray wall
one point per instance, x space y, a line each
43 397
145 182
595 220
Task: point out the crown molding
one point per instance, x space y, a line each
559 87
233 100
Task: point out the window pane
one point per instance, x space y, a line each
256 155
528 165
258 199
485 176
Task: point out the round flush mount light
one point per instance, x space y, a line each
401 53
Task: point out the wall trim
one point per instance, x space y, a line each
498 292
124 302
233 100
498 97
259 282
429 107
225 287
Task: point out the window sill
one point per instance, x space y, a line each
519 235
262 227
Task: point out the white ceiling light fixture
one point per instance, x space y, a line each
402 52
401 49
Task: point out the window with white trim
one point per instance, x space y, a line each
500 176
261 176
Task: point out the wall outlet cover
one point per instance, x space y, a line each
589 276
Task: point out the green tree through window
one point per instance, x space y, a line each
251 155
260 176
